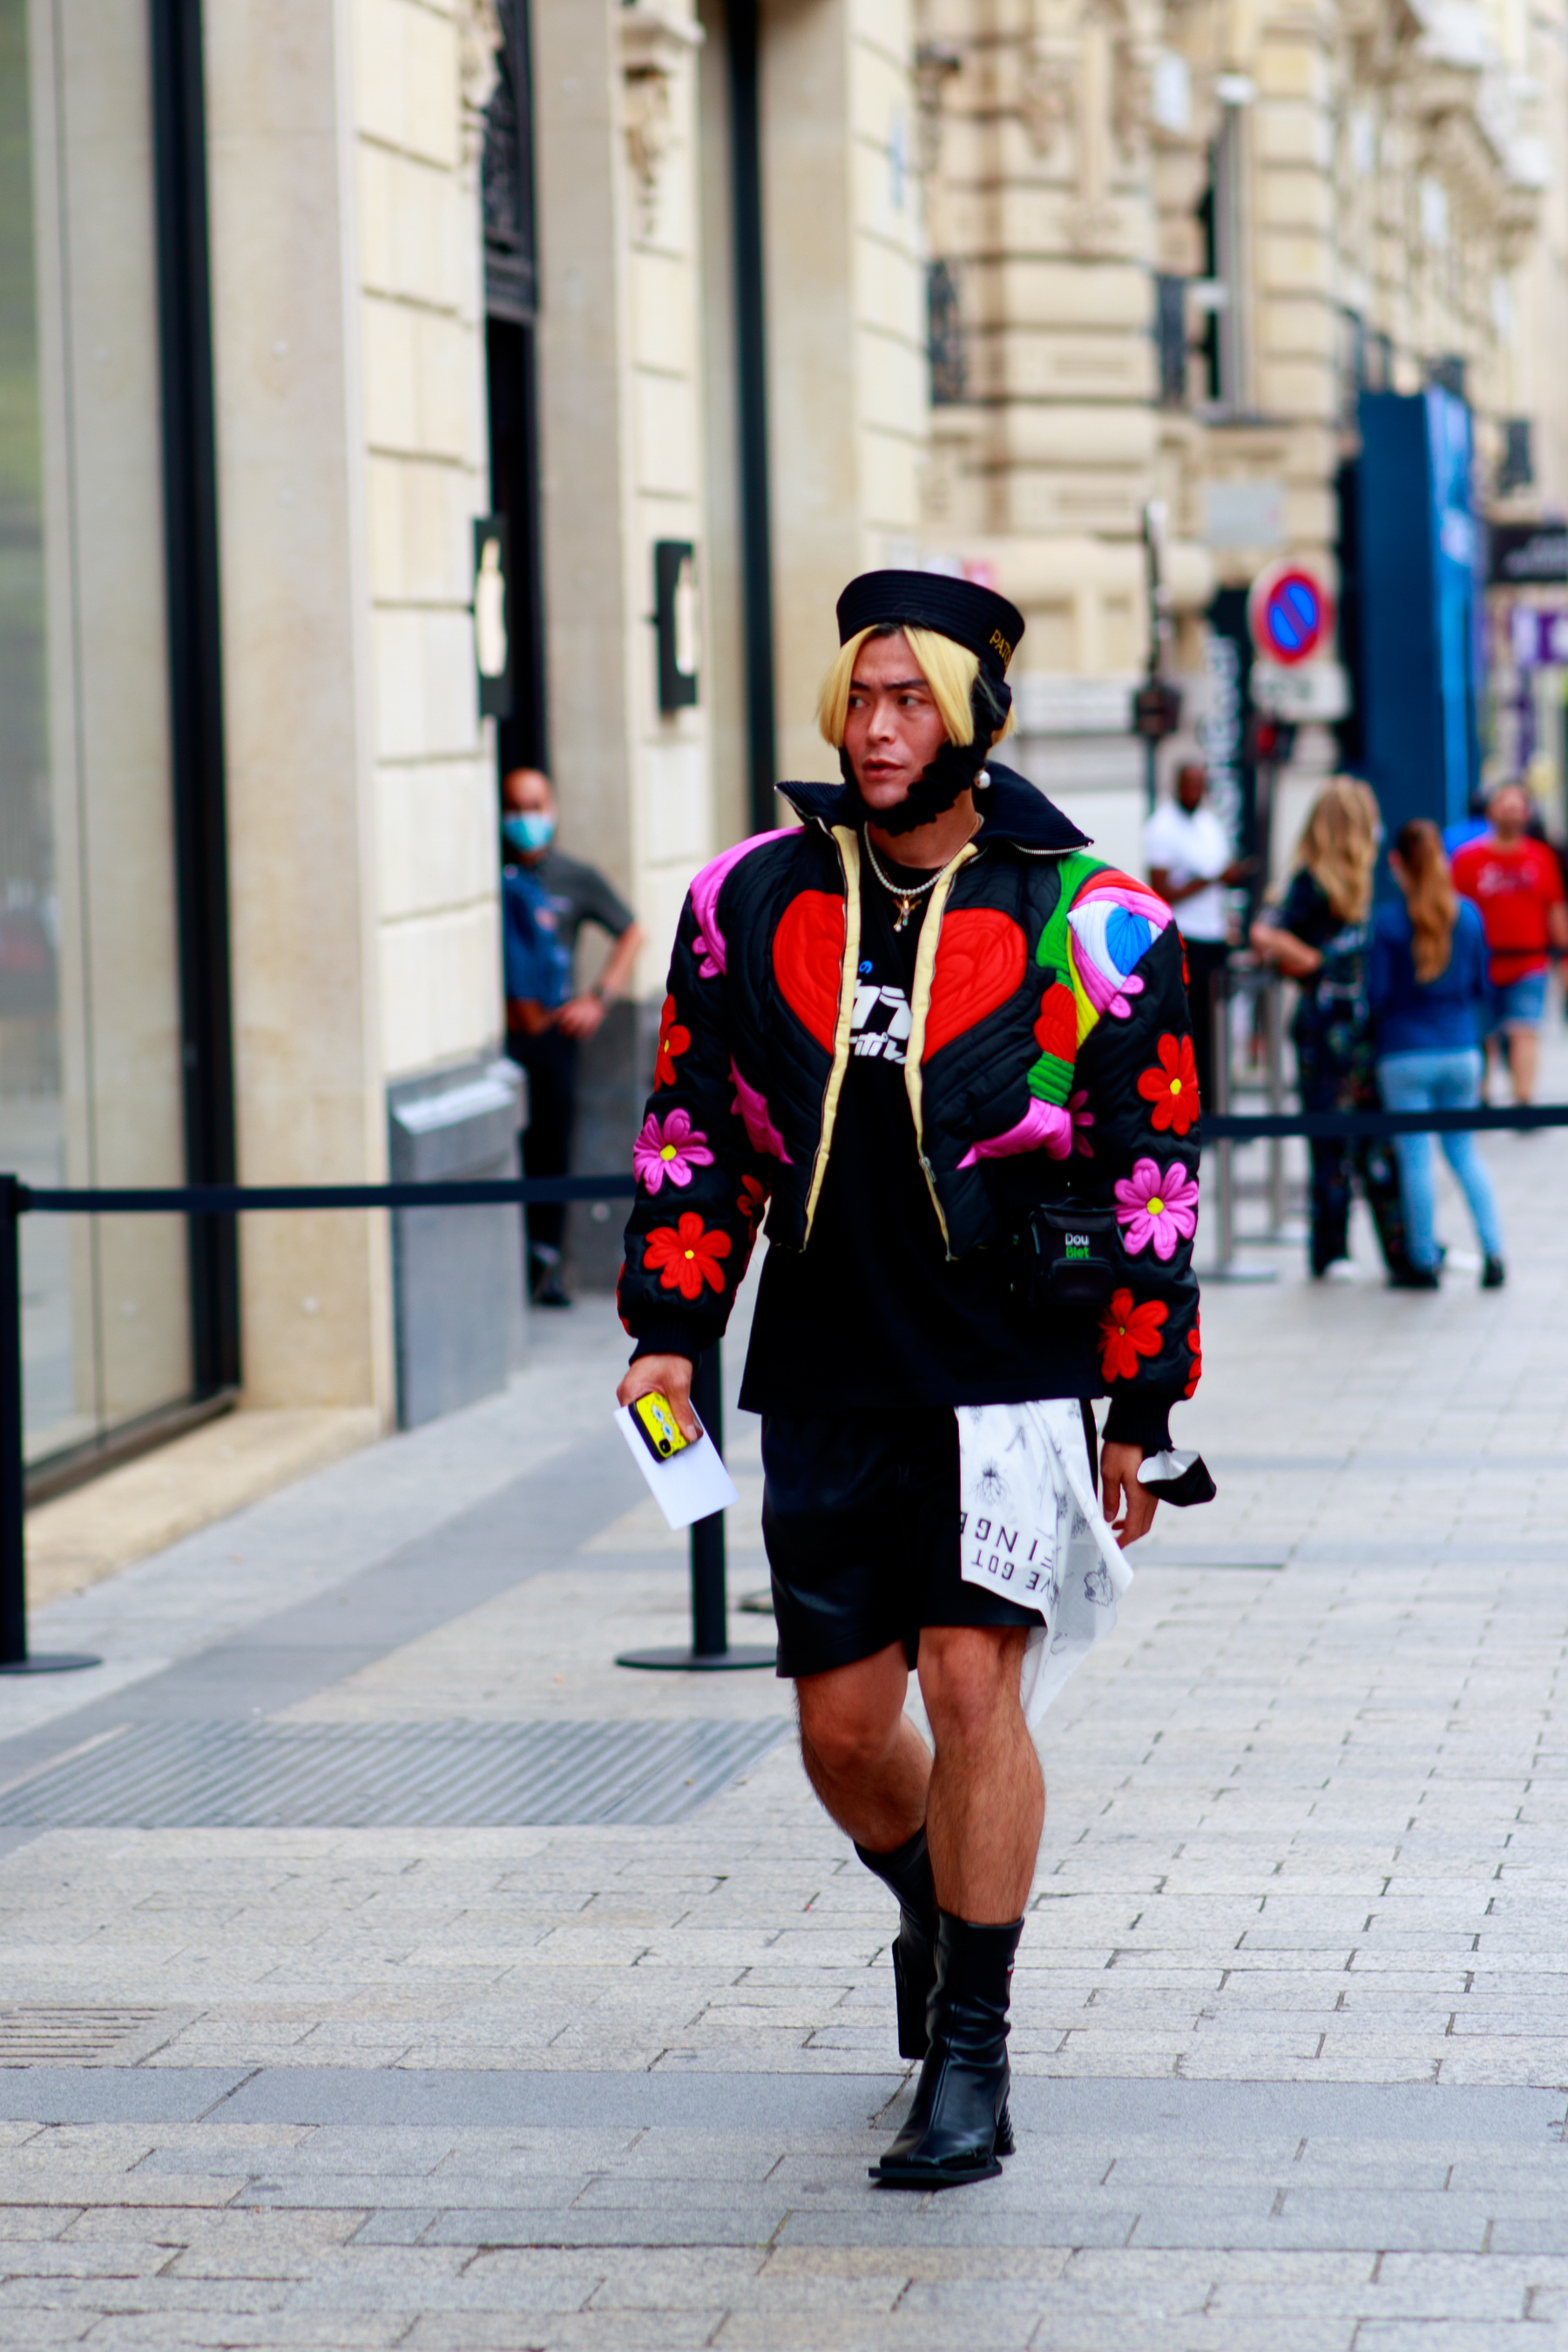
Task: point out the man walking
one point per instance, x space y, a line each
1517 883
1189 863
931 1029
546 897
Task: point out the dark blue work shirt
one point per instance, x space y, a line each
538 960
1433 1016
544 905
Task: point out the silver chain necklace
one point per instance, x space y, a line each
906 897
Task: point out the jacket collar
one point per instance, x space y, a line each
1012 811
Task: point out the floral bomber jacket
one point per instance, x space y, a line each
1049 1053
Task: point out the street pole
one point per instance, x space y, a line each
1153 546
14 1658
710 1652
1157 705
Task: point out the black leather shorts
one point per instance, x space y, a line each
861 1519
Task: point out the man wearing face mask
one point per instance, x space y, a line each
546 897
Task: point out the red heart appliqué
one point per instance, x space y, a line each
980 962
808 960
1056 1031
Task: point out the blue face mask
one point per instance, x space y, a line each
529 833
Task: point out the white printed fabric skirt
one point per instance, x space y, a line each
1032 1530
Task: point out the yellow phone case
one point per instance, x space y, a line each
657 1424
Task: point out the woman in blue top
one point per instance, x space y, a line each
1426 985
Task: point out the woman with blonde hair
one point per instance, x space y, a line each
1317 936
1427 988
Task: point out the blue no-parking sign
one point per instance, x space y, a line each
1289 614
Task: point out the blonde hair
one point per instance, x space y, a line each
1430 896
949 670
1339 845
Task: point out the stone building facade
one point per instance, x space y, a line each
715 302
1188 238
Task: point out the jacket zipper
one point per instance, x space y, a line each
920 1007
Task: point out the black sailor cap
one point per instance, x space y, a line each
959 609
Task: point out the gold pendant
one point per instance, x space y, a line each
903 917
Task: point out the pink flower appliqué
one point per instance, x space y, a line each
1081 1118
1155 1208
673 1147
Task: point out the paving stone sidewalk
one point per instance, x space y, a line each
1291 2010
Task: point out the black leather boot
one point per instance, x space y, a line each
906 1870
959 2127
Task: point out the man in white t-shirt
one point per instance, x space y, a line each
1189 863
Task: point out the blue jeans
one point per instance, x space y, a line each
1517 1005
1438 1082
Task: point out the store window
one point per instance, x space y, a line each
91 1034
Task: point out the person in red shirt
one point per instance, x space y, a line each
1517 883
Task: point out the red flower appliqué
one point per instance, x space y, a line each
1171 1085
751 1200
686 1254
673 1040
1127 1332
1195 1342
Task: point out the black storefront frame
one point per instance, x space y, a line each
743 26
512 367
191 556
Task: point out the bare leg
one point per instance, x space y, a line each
862 1755
986 1804
1523 1060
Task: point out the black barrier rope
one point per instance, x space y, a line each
228 1199
17 1199
225 1200
1236 1127
709 1603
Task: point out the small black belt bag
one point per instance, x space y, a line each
1062 1256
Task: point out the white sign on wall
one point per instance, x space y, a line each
1244 514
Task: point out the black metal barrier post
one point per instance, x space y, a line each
710 1648
1218 1128
1263 986
710 1652
14 1658
1274 1017
709 1612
